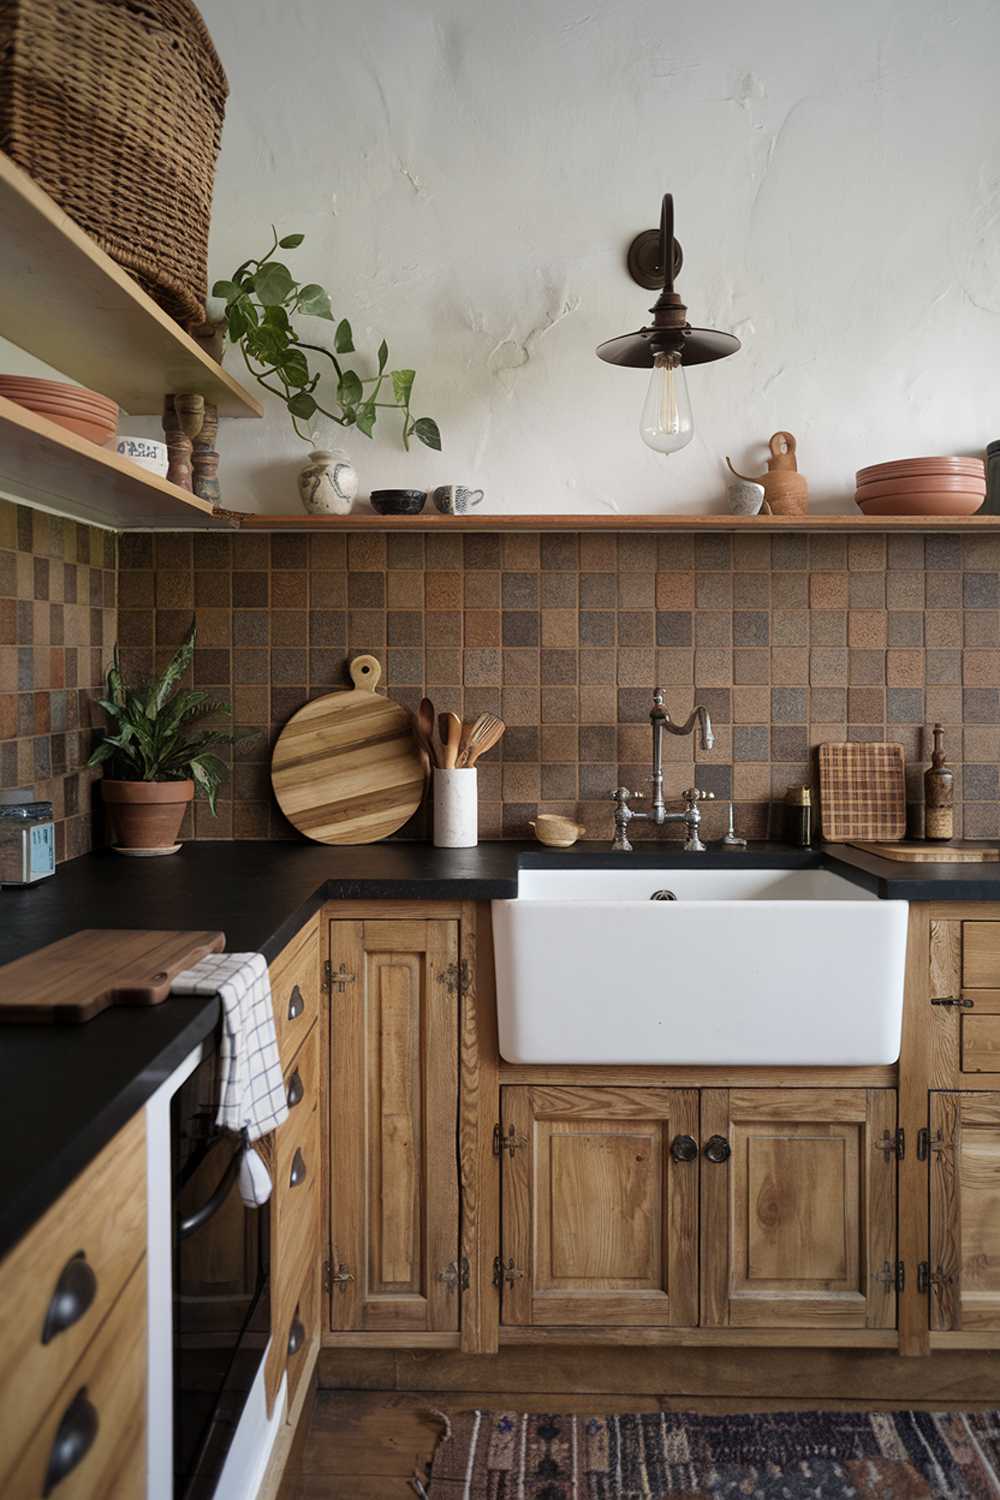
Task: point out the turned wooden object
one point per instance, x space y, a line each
183 417
204 458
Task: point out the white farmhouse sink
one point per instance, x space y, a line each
791 967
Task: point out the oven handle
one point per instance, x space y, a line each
211 1206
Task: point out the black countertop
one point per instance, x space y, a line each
66 1090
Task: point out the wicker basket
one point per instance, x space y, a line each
115 108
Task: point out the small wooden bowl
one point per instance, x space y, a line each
556 832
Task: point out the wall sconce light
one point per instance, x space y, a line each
668 343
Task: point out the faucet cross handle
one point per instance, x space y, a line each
623 817
695 794
692 817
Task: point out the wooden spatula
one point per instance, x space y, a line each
450 730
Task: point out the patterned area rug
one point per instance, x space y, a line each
905 1455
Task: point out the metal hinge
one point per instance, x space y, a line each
894 1276
926 1278
336 980
961 1002
455 977
893 1144
338 1278
510 1142
455 1275
505 1271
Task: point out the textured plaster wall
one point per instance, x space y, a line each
468 175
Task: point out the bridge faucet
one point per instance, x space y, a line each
691 814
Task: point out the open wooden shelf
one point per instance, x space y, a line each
65 301
44 464
743 525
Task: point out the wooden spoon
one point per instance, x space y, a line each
485 740
425 729
450 730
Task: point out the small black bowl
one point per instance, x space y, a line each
398 502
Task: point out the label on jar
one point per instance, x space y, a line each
42 851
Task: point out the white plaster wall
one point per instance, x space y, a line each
468 175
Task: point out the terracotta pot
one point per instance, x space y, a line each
146 814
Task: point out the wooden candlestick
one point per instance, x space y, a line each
204 459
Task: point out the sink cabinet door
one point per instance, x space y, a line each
965 1211
393 1125
600 1223
799 1220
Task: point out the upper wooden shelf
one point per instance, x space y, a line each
43 464
655 523
65 301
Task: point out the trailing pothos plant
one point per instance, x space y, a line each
262 299
158 732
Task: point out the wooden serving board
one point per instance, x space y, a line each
862 792
346 768
933 854
81 975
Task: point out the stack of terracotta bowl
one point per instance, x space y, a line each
71 406
922 487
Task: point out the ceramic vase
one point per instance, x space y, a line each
328 483
456 808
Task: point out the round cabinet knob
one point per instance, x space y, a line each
74 1292
718 1149
684 1148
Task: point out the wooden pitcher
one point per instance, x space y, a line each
786 491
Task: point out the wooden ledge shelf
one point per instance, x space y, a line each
742 525
44 464
67 302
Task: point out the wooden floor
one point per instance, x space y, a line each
365 1445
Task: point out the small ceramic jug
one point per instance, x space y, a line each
328 483
786 491
455 499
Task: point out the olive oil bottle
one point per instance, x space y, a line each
939 794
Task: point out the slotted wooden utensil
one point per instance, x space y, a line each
487 731
346 768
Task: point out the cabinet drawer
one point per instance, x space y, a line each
299 1136
102 1403
302 1331
981 1044
981 955
58 1284
301 1085
295 993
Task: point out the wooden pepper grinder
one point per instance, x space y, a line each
786 491
939 794
204 458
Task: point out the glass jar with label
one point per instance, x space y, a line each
27 839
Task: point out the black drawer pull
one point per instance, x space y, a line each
296 1003
296 1335
718 1149
74 1293
298 1172
296 1090
73 1440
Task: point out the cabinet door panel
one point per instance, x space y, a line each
393 1120
598 1219
798 1224
965 1211
981 955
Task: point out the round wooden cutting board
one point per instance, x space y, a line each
346 769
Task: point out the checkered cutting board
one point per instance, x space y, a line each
862 792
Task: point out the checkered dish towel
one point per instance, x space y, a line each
252 1091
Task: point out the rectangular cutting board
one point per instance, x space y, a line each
78 977
932 854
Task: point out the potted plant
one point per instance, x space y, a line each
158 752
262 297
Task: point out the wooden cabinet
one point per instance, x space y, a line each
799 1218
600 1222
611 1196
964 1269
393 1125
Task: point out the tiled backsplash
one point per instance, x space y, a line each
788 641
57 626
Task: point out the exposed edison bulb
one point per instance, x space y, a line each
666 423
